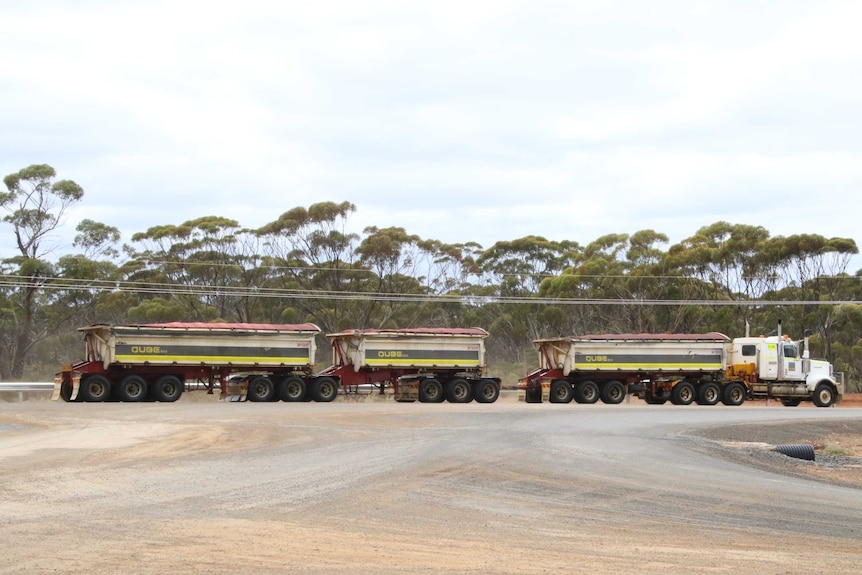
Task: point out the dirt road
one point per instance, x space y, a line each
381 487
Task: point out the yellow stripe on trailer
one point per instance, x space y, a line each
217 359
422 362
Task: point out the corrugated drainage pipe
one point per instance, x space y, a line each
802 451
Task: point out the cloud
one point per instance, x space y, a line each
462 121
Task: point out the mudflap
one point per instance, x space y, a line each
236 391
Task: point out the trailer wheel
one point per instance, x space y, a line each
459 391
790 401
132 388
613 392
168 388
734 394
682 393
292 389
708 394
587 392
824 395
324 389
561 391
95 388
430 391
487 391
261 388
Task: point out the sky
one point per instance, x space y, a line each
459 121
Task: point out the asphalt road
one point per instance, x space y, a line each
382 487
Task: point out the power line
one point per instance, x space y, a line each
163 288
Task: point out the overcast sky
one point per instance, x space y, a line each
460 121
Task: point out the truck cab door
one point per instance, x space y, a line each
791 362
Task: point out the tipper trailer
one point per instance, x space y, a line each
268 362
682 368
428 364
156 361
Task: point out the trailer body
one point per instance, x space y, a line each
683 368
428 364
159 360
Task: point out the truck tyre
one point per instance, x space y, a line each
561 391
790 401
734 394
459 391
682 393
587 392
708 394
292 389
261 388
95 388
824 395
486 391
168 388
613 392
132 388
430 391
324 389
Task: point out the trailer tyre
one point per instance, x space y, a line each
459 391
734 394
587 392
430 391
132 388
561 391
682 393
168 388
708 394
824 395
324 389
261 388
487 391
95 388
292 389
613 392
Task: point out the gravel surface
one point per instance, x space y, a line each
381 487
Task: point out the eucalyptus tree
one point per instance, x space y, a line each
318 268
516 269
197 264
402 265
36 205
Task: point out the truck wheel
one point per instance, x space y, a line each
824 395
324 389
561 391
486 391
95 388
708 394
734 394
430 391
459 391
168 388
261 388
292 389
790 401
132 388
613 392
682 393
587 392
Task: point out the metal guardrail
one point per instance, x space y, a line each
22 386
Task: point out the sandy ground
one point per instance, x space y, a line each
380 487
